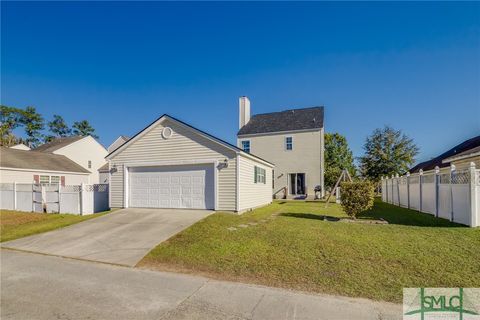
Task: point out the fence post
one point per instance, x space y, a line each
59 197
33 196
452 175
420 187
473 196
81 198
408 190
398 189
437 190
393 187
15 195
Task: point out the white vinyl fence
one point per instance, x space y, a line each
448 193
53 198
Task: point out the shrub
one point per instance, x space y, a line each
356 197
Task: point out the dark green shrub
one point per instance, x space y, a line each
356 197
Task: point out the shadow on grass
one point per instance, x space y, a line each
310 216
389 213
403 216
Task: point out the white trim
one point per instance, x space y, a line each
249 145
285 143
109 185
125 186
169 163
215 187
237 204
187 127
456 158
40 170
276 132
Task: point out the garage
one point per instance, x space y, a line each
189 187
170 164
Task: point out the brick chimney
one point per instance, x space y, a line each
244 111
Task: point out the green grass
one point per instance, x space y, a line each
17 224
295 249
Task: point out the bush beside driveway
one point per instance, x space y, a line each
18 224
293 245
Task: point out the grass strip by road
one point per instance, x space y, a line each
17 224
289 244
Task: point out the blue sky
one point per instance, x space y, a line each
414 66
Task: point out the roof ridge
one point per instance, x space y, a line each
306 108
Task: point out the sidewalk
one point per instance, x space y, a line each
44 287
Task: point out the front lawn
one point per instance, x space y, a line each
288 244
17 224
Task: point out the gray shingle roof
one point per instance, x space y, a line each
289 120
437 161
26 159
57 143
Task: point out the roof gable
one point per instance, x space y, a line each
201 133
34 160
58 143
289 120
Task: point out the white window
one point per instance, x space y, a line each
288 143
44 179
55 179
260 176
246 145
89 164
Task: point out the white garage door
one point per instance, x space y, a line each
190 187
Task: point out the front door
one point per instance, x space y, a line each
297 183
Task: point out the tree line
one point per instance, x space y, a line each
386 151
34 126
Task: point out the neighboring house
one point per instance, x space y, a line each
171 164
104 174
462 160
293 140
20 146
84 150
460 155
23 166
104 171
117 143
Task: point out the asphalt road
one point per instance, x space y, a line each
35 286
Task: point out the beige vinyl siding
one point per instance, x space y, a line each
305 157
184 145
253 194
20 176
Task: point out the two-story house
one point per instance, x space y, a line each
293 140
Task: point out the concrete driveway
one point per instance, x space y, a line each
123 237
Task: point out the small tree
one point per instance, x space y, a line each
338 156
357 197
83 128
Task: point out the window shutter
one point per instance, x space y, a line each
62 181
36 178
255 174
